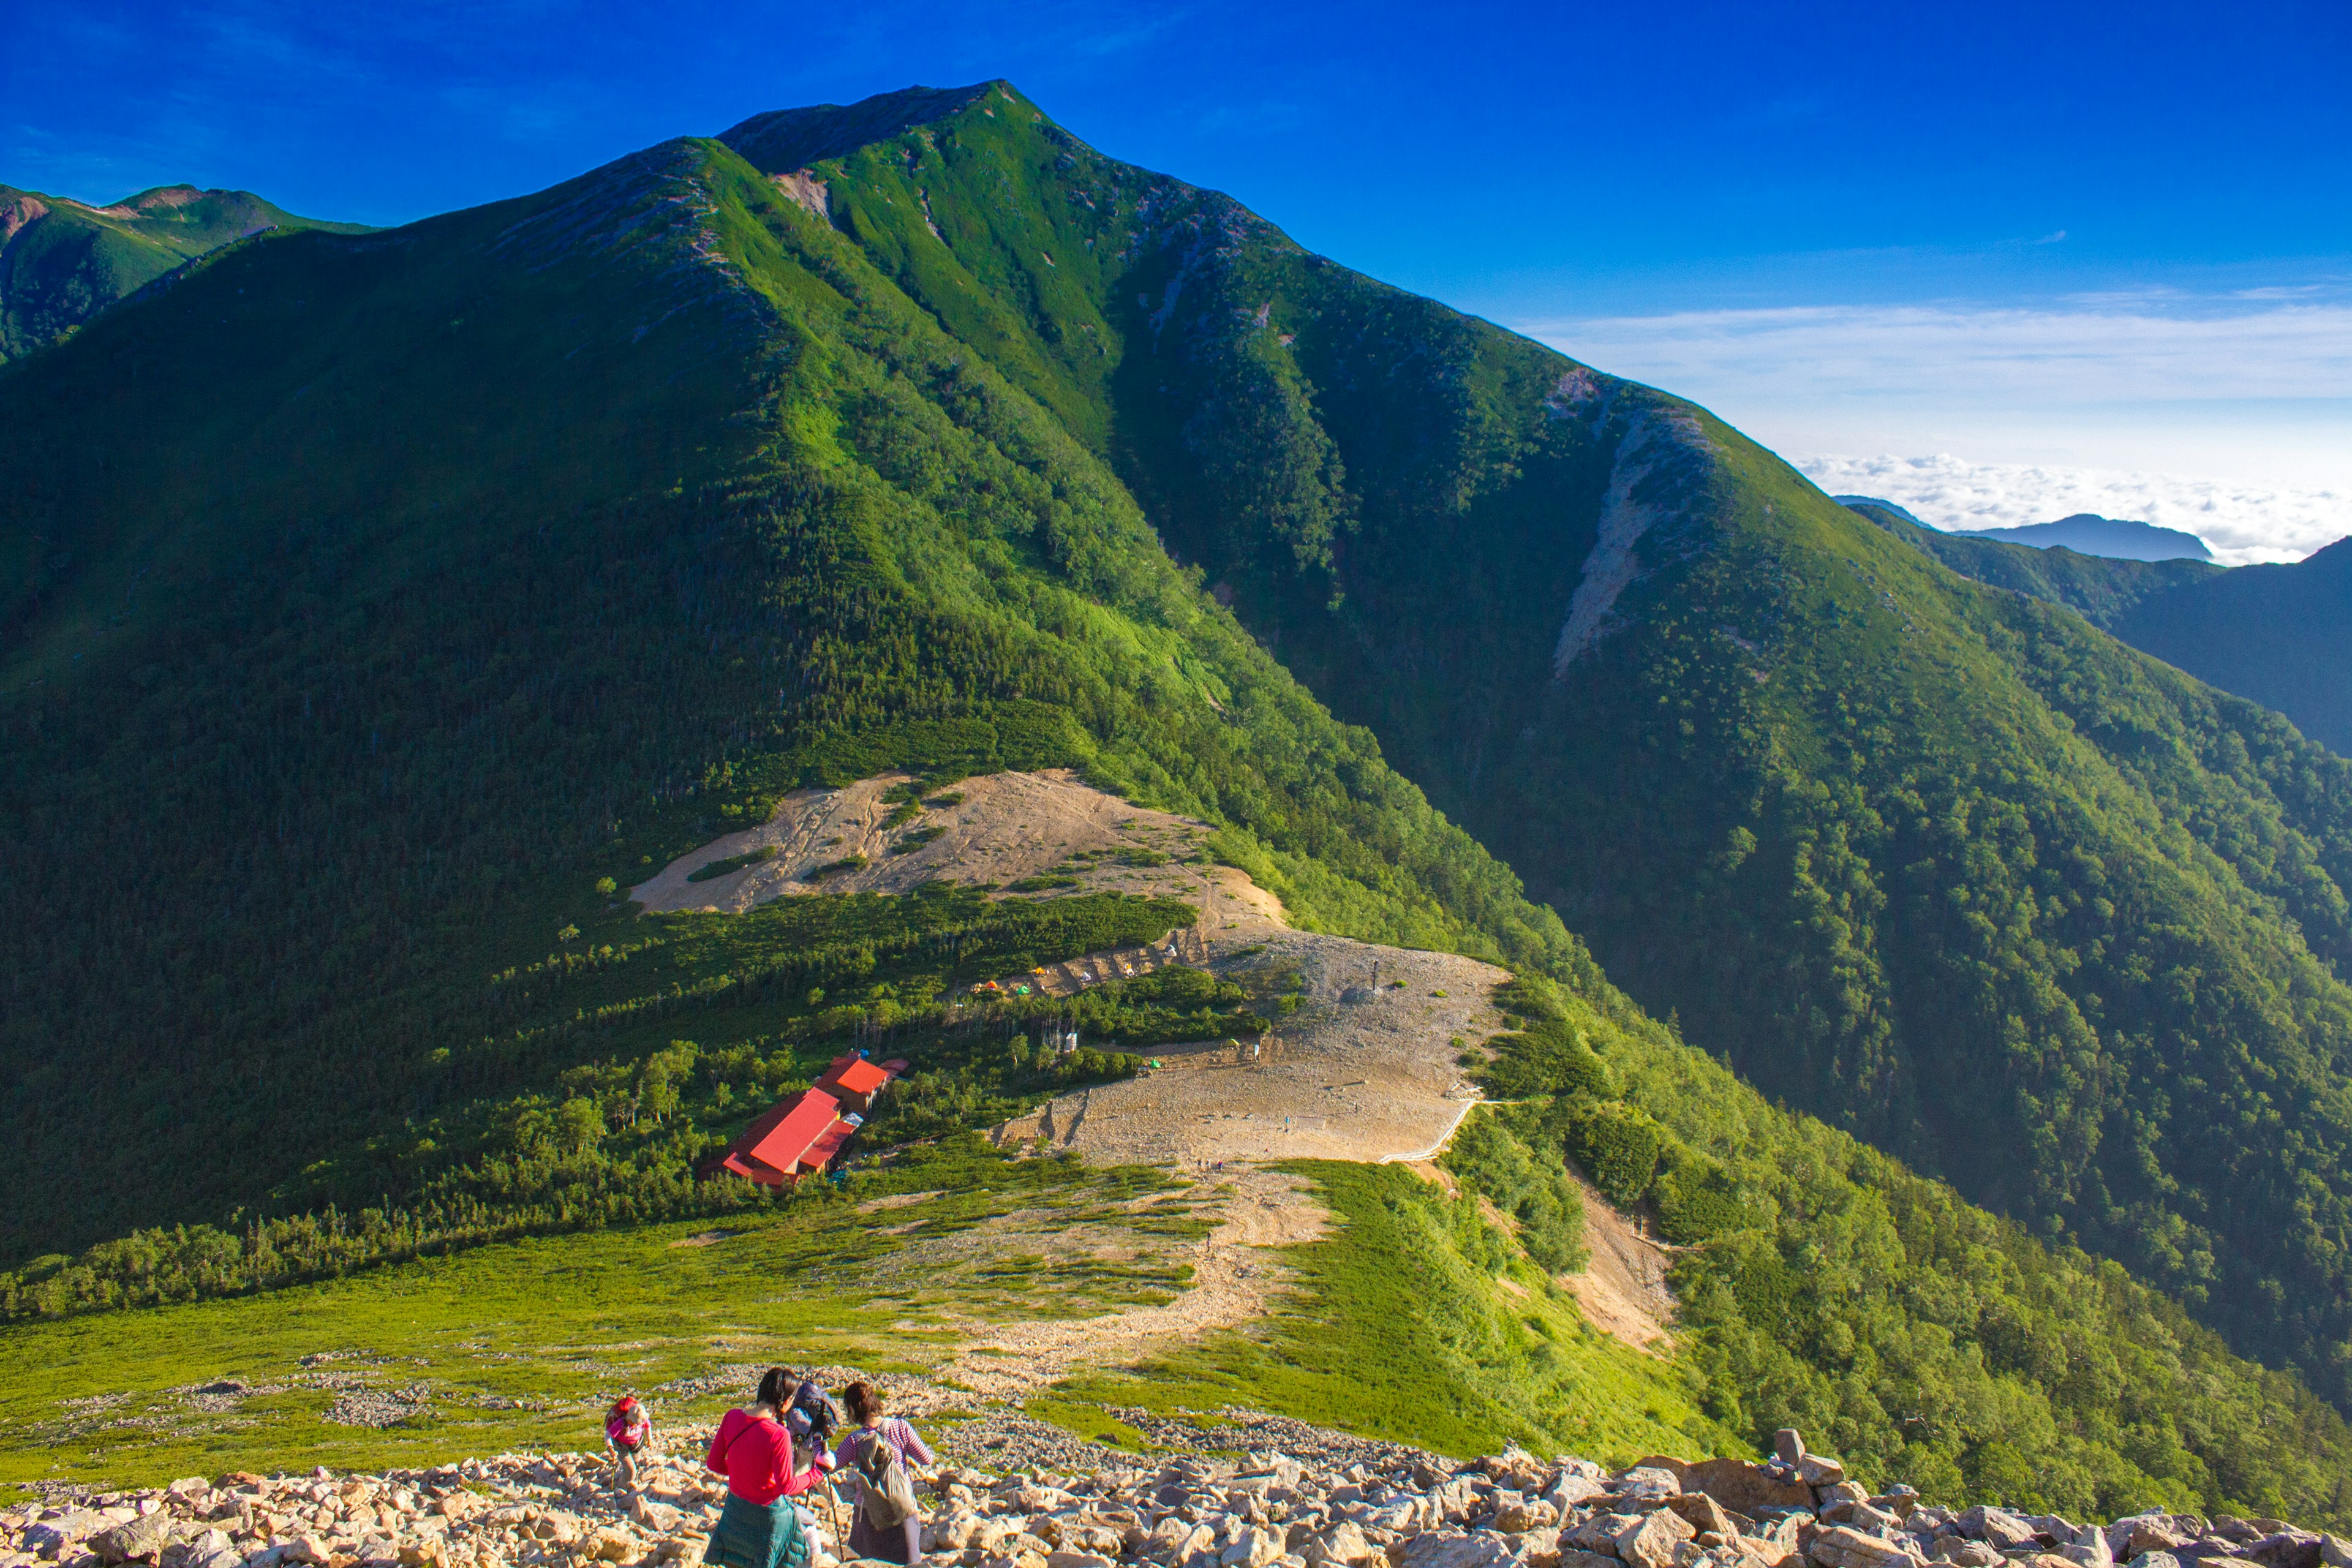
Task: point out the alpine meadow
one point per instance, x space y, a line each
1959 994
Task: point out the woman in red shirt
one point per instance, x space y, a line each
759 1527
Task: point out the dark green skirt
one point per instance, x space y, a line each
758 1535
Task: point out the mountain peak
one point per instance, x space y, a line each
785 139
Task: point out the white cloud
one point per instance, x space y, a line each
2226 414
2138 348
2241 523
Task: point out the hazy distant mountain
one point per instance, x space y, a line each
2088 533
2281 636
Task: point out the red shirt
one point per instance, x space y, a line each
755 1454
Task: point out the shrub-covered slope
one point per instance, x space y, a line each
490 560
62 262
1948 865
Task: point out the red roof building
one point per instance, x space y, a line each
809 1131
855 1082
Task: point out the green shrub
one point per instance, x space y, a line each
909 842
1491 1155
732 863
1617 1146
1696 1197
1040 884
846 863
1547 1058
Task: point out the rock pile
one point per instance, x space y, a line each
1348 1504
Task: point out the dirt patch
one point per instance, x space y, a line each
1622 1289
1233 1281
706 1239
900 1201
1000 829
1365 1069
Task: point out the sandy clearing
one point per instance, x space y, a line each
1006 827
1366 1069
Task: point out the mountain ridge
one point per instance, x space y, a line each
520 550
62 261
2091 535
2271 636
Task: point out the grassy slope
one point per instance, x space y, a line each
1948 849
555 1327
61 269
409 670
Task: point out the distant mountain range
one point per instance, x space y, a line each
62 261
2281 636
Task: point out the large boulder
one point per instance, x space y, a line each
1255 1547
1647 1481
1997 1526
1454 1549
1745 1487
1598 1532
144 1536
1344 1544
1518 1517
1843 1546
1654 1540
1573 1489
1703 1513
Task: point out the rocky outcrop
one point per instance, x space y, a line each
1346 1504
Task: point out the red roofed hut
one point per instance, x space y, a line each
857 1082
808 1132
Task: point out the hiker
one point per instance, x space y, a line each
760 1527
810 1419
627 1430
885 1524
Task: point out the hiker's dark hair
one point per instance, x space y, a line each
776 1387
864 1400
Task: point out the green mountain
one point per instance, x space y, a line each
458 575
61 261
2275 633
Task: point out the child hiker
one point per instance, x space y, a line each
627 1430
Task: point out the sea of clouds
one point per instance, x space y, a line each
2001 414
2242 524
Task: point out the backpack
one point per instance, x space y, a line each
884 1490
810 1415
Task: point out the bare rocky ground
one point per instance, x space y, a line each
1368 1067
1250 1492
1000 828
1623 1291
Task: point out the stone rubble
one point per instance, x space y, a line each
1322 1499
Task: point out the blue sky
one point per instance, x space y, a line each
2027 240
